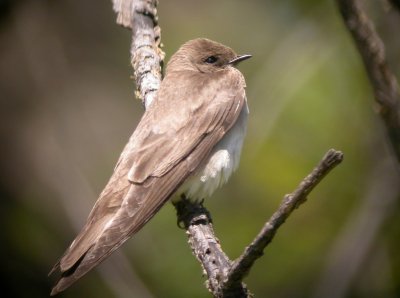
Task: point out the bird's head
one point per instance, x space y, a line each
203 55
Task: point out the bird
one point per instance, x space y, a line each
188 141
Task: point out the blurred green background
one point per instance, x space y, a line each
67 110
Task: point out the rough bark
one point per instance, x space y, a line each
225 277
383 81
146 54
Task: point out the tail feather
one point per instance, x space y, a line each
67 278
119 214
110 235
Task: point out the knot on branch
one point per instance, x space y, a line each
147 8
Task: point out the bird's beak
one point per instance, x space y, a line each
238 59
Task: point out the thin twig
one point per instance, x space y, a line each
290 202
146 55
372 51
224 277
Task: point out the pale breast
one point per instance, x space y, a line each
222 162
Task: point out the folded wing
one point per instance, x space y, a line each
174 135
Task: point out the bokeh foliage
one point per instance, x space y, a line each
67 109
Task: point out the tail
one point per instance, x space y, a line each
111 222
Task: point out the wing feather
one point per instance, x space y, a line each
169 143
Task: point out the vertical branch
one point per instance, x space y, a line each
372 51
146 55
224 276
206 247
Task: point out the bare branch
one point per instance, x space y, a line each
224 277
290 202
146 54
372 51
205 245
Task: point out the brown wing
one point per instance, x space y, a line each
178 125
169 143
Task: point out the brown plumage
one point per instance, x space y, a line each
199 101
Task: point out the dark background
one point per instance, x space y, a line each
67 108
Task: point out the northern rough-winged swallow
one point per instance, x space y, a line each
188 141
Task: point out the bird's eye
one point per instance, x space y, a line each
211 59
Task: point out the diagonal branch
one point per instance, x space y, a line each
290 202
224 277
372 51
